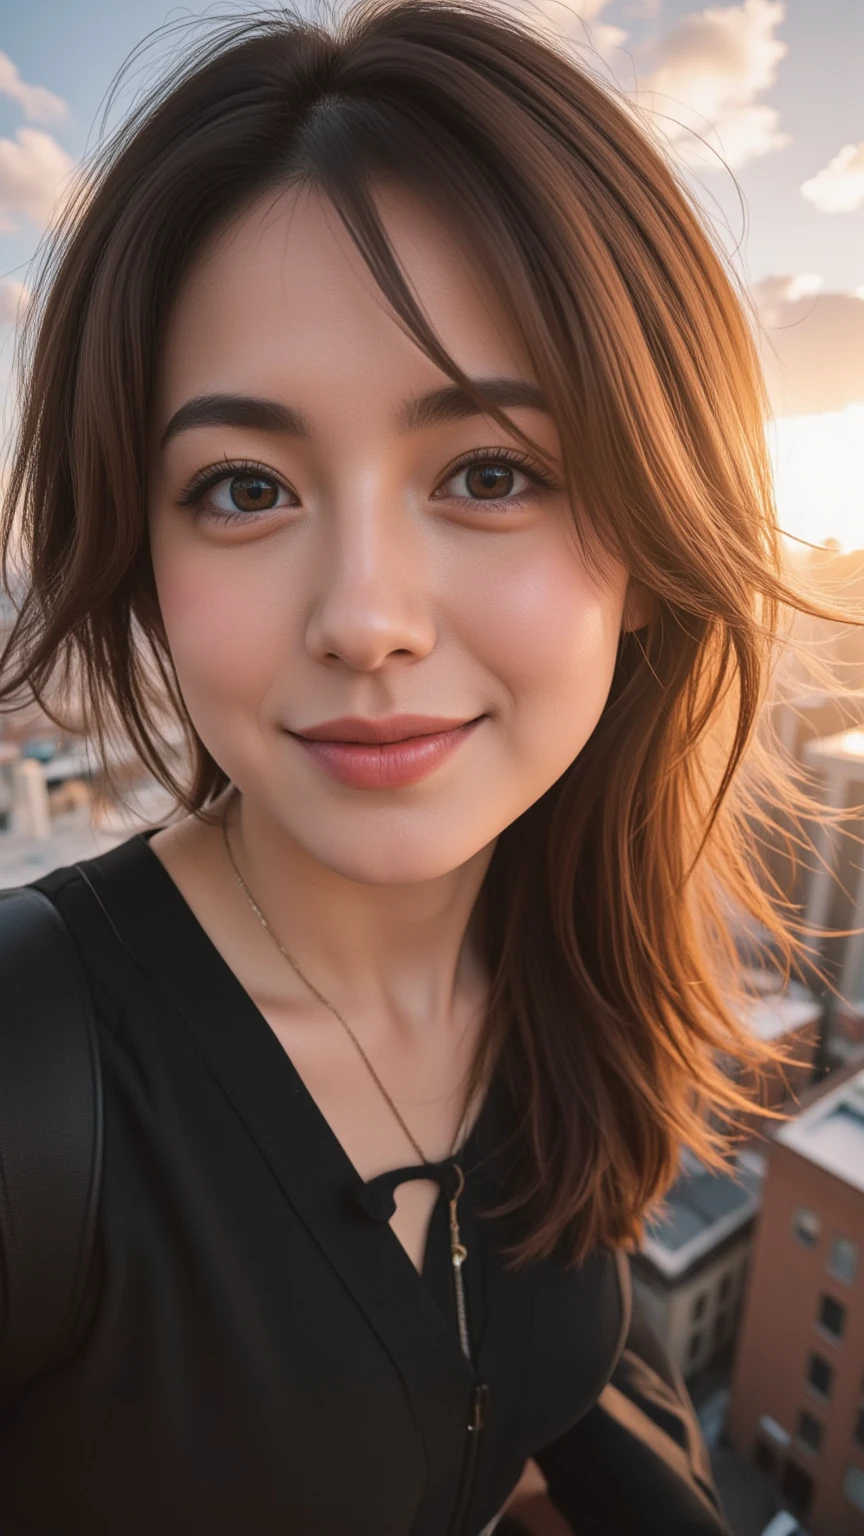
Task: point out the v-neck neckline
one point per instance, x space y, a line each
183 970
298 1084
234 1033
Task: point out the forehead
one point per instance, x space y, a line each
281 297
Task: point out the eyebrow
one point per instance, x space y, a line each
452 403
448 403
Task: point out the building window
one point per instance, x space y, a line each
806 1227
699 1306
809 1431
797 1489
695 1345
725 1288
853 1487
843 1259
820 1375
832 1316
721 1328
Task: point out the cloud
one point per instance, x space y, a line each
812 345
567 11
705 75
39 105
578 21
14 298
32 169
839 186
773 292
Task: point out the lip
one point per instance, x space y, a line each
389 763
354 729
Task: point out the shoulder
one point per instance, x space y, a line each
78 891
74 903
122 861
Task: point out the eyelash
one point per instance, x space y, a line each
207 479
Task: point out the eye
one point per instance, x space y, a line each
228 493
496 475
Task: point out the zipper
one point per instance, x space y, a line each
480 1391
476 1420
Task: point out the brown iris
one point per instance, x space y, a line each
252 493
486 481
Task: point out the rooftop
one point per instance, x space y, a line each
703 1209
830 1131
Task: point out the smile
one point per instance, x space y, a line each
386 765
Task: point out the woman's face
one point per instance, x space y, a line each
365 547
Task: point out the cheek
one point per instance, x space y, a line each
226 627
551 636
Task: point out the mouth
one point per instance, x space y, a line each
355 730
385 761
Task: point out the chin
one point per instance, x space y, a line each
394 865
391 847
379 840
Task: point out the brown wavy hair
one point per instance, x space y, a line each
607 907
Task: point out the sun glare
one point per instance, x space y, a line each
819 475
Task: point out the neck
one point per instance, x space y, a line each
406 955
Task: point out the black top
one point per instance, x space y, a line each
258 1354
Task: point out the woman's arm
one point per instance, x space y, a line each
636 1464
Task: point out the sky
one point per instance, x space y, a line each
760 104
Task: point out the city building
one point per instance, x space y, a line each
690 1270
797 1404
689 1273
836 893
826 882
800 723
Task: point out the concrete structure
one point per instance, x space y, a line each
690 1272
824 735
799 722
835 893
797 1405
75 834
30 814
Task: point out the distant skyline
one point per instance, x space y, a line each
772 88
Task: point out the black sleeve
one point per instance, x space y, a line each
636 1463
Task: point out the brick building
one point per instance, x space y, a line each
797 1406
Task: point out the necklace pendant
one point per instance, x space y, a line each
458 1255
458 1251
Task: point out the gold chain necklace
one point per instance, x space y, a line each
458 1251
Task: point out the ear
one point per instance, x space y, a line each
639 606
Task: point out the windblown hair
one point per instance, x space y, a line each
607 907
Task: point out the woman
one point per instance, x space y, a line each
390 416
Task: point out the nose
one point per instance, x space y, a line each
372 599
